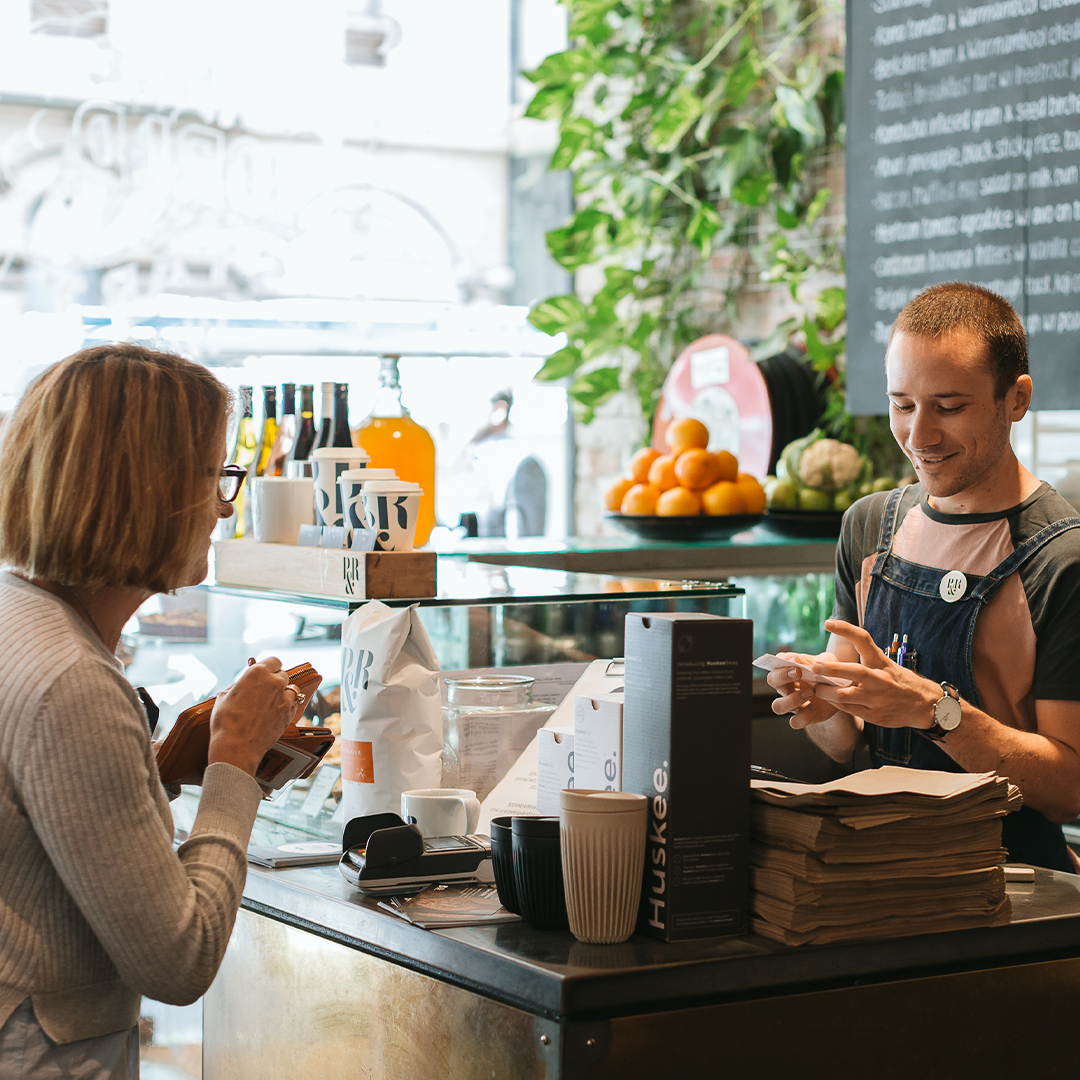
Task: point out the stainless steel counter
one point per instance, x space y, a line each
318 980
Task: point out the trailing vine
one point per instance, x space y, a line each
697 134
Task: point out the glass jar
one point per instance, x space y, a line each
488 721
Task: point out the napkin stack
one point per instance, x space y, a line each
882 853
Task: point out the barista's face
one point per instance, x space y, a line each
944 414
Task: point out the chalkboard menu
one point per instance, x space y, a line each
963 163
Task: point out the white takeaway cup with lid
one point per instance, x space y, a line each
391 507
351 482
328 463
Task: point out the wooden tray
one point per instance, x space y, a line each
349 575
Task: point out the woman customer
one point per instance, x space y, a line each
111 482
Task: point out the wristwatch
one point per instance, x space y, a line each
946 713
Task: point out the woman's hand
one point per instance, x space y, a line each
881 691
798 695
250 716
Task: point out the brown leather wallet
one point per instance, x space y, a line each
183 753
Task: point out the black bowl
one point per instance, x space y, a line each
502 862
805 523
705 527
538 876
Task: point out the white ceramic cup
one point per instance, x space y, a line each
391 507
329 462
602 841
352 484
441 811
279 506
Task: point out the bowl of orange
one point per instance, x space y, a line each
688 492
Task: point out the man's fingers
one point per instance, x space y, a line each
869 653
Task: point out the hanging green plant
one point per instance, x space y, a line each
696 134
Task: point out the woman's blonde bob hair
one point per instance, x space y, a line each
107 466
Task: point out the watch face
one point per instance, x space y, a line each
947 713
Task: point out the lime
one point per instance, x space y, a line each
782 495
884 483
842 500
812 499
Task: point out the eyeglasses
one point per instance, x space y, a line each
230 481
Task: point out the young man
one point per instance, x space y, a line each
978 564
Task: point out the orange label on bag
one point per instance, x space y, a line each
356 762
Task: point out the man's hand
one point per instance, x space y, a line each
881 691
797 693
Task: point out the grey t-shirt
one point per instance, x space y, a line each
1027 638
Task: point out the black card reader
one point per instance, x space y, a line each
382 856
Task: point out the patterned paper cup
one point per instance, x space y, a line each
603 856
352 484
329 463
391 507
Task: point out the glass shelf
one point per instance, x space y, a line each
462 583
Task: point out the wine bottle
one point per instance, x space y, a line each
342 435
305 434
394 440
243 453
269 430
286 433
326 422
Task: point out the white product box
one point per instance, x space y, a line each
554 768
598 724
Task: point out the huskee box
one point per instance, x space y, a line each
686 745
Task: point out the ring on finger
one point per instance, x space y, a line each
300 698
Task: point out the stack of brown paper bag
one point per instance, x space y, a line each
882 853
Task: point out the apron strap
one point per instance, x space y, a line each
1011 563
889 517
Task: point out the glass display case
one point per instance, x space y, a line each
186 647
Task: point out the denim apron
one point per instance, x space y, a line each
905 598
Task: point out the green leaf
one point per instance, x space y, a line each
830 308
550 102
558 313
785 218
753 190
682 108
738 154
776 342
588 18
832 93
560 364
573 65
817 204
816 349
639 340
801 115
576 133
741 80
596 386
704 225
575 243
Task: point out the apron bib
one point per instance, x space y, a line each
941 607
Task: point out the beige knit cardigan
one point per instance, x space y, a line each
96 907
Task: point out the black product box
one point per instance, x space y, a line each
686 745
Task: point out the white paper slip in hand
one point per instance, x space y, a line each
771 663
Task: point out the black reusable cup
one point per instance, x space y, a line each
502 862
538 872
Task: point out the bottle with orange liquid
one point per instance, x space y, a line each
393 440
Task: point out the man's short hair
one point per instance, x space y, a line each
960 305
108 465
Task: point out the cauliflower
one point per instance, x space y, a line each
829 465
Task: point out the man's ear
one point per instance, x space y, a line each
1018 398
